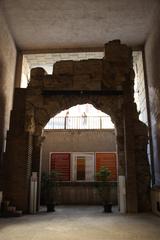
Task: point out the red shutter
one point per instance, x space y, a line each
61 163
108 160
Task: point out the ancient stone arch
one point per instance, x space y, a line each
108 85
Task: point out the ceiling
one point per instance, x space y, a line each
48 24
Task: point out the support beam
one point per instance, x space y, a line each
82 93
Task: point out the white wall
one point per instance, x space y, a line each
7 73
152 59
140 92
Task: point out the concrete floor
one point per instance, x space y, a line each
80 223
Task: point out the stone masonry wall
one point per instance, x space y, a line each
109 84
112 72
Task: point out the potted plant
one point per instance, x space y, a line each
103 188
49 187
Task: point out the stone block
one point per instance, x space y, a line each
37 75
141 142
140 129
117 52
86 82
62 82
88 66
114 75
48 81
63 67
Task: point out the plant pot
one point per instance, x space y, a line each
50 207
107 207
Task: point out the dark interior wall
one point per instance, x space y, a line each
7 73
152 59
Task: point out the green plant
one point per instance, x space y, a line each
49 186
102 184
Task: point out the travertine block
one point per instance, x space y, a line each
62 82
63 67
48 81
37 75
117 52
86 82
88 66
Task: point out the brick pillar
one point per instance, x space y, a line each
129 147
17 164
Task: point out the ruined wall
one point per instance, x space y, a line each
7 71
105 83
114 72
152 58
17 170
77 141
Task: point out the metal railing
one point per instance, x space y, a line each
87 122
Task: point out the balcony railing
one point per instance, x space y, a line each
87 122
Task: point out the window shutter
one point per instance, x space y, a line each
108 160
60 162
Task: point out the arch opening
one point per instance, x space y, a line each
84 116
79 141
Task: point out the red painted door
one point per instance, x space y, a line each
108 160
61 163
